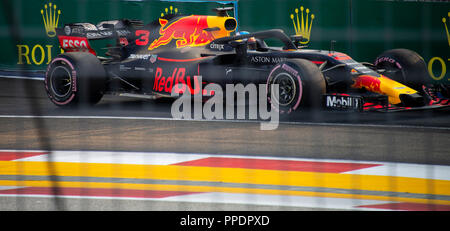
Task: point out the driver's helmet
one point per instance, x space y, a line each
251 42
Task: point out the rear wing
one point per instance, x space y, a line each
76 36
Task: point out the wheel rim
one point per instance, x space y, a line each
61 81
287 88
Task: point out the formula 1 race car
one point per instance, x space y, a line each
150 60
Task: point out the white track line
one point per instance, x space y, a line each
222 121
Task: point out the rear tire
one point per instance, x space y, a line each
75 78
301 84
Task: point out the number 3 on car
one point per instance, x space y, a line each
142 37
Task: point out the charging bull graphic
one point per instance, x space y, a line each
187 31
371 83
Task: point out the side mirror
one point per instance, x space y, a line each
297 39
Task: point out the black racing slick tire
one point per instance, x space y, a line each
300 84
74 79
404 66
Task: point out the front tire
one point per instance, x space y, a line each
76 78
404 66
301 84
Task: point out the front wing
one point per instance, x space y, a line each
347 102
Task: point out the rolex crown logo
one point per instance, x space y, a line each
444 20
170 10
50 16
302 24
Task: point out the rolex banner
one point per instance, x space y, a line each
362 29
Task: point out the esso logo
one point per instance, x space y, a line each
74 43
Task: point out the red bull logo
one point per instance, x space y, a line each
371 83
187 31
178 76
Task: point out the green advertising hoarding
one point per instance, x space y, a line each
361 28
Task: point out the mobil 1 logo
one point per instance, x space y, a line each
342 102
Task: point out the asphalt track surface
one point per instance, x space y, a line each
29 121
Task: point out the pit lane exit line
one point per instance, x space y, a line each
116 181
232 175
438 172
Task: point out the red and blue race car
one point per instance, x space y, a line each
150 60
